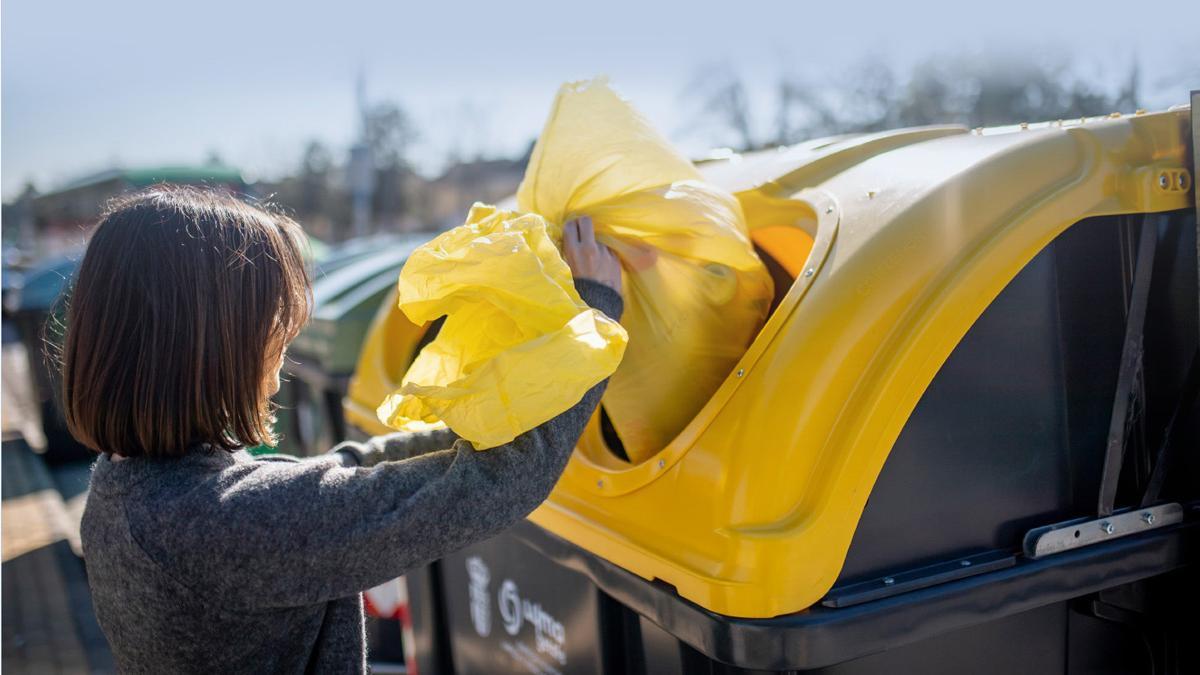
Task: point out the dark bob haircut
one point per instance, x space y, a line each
183 305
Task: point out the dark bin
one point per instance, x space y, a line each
37 310
350 284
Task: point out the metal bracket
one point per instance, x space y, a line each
1073 534
923 577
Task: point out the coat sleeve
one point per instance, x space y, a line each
393 447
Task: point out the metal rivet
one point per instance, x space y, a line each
1148 517
1182 181
888 581
1163 181
741 372
662 463
828 209
809 272
870 194
1024 125
965 563
600 483
1107 527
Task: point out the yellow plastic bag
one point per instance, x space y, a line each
519 345
695 292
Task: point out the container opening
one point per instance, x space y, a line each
784 249
612 440
429 335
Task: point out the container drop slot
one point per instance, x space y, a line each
784 250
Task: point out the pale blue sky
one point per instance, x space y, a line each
87 85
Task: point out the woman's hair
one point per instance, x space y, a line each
184 302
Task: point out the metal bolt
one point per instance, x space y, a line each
741 372
809 272
964 563
870 194
828 209
600 483
1163 181
888 581
1107 527
1148 517
1182 181
662 463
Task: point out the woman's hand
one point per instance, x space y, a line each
588 258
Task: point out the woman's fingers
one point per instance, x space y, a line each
614 266
571 233
587 258
586 235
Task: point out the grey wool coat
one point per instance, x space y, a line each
220 562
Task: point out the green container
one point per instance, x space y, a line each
32 303
321 360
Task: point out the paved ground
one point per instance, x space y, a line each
18 406
48 623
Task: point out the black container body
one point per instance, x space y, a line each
1010 434
1008 437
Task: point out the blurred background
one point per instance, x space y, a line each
366 117
377 124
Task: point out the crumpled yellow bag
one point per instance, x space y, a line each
519 347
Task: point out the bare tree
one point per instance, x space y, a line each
870 95
469 132
315 166
390 134
722 100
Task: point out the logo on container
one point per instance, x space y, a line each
481 605
548 633
510 607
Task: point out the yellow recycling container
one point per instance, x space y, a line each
890 246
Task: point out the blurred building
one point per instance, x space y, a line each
447 198
60 221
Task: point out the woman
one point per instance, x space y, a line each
202 558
